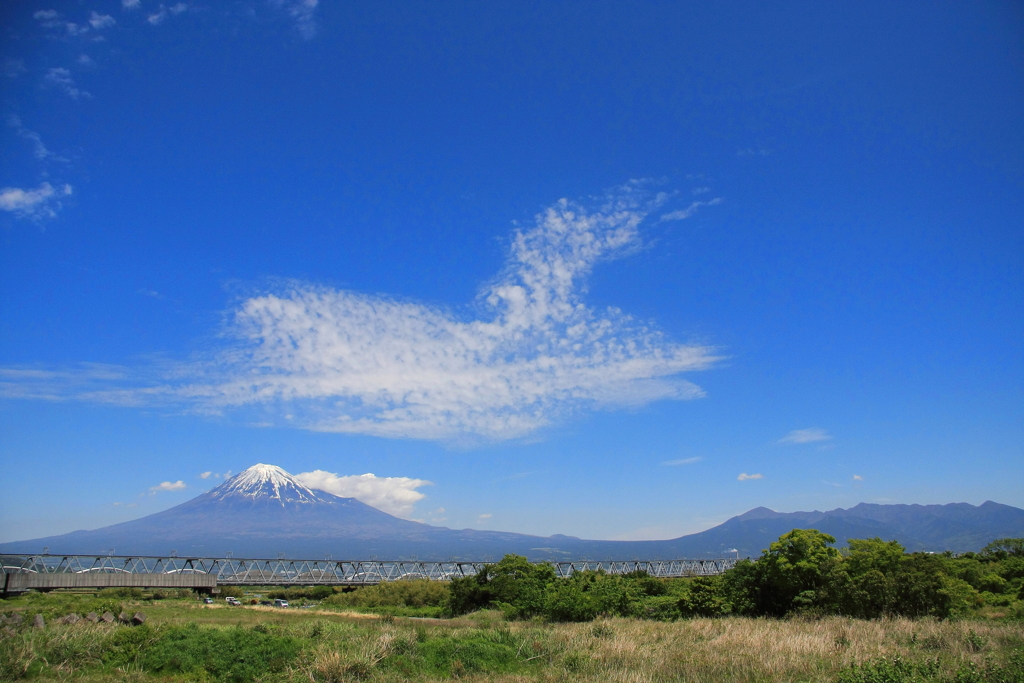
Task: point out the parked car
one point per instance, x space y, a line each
208 600
232 600
280 603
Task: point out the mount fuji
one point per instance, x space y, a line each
264 512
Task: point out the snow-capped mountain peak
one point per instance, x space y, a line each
267 482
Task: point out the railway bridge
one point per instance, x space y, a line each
49 572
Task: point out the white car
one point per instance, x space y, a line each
232 600
280 603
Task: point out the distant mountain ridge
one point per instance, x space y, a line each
265 511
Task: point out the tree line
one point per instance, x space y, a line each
801 573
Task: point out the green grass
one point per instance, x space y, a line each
184 640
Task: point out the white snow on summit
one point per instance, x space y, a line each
267 481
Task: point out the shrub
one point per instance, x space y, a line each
412 593
661 608
513 582
449 656
704 598
301 593
894 670
235 655
123 593
566 601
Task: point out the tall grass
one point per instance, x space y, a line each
292 646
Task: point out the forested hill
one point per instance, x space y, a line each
959 527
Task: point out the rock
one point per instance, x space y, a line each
6 631
91 616
70 619
138 619
3 618
108 617
38 621
123 617
15 619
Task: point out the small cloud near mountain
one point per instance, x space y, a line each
681 461
809 435
394 495
168 486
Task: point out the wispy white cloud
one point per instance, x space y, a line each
158 17
303 12
130 4
746 477
402 369
809 435
39 150
60 78
86 382
857 477
42 202
533 353
168 486
690 210
205 475
394 495
682 461
101 21
483 518
700 190
52 19
12 68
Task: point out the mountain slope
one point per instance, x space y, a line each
264 511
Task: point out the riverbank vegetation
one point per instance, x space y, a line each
803 611
800 574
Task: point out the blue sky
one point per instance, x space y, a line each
603 269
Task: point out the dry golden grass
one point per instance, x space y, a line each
339 648
749 650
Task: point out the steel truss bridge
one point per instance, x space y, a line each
284 572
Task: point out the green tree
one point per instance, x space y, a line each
1002 548
865 586
924 587
745 588
798 572
798 568
513 585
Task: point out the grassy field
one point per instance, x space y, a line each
184 640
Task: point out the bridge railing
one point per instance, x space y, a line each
243 571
